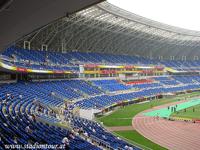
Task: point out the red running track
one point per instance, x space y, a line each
173 135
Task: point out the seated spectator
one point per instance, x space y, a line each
85 134
30 142
8 96
80 130
93 130
130 148
40 108
28 129
30 117
104 137
52 93
71 135
59 147
66 105
33 117
15 140
126 147
3 101
65 141
20 96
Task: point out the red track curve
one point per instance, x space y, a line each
173 135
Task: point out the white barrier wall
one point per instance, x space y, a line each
88 113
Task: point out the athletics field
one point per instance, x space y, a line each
123 117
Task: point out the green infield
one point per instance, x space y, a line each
123 117
166 112
191 113
136 139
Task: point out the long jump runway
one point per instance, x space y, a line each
173 135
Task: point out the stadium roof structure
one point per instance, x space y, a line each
110 29
20 17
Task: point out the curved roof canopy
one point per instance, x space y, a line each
107 28
20 17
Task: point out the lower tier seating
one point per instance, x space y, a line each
17 127
96 131
18 101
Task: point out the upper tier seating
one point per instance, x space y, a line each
47 60
110 85
182 65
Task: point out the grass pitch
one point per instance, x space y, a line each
191 113
124 116
135 138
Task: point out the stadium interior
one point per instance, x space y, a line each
61 69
